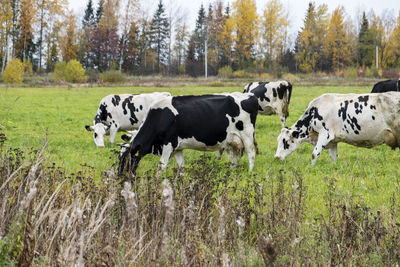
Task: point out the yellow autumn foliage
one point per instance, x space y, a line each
14 71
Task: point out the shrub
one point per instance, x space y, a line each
59 71
350 73
290 77
74 72
14 71
112 76
372 72
28 67
225 72
242 74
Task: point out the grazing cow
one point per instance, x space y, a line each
364 120
386 86
273 97
121 113
205 122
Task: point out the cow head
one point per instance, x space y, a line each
127 156
288 141
99 130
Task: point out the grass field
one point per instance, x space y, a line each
26 113
328 214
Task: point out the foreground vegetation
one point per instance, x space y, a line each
68 206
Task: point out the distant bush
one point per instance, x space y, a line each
242 74
266 76
112 76
350 73
74 72
92 75
14 71
28 67
59 72
290 77
371 72
391 74
225 72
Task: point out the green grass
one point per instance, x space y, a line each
367 175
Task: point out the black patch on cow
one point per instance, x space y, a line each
285 144
233 120
128 105
295 134
115 100
95 135
311 114
259 92
342 112
141 107
385 86
274 92
267 99
358 108
102 114
250 105
373 117
364 99
239 125
372 107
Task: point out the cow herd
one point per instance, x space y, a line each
162 124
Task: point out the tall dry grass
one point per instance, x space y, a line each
210 216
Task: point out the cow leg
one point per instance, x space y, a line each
324 138
180 161
333 152
219 154
250 150
167 151
113 133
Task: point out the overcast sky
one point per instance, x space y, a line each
297 8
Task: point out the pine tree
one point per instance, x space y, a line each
89 19
99 11
199 34
311 39
366 46
159 34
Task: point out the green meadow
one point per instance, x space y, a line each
369 176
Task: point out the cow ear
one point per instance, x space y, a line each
125 137
88 128
295 134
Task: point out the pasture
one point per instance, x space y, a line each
26 113
369 177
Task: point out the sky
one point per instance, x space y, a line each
297 8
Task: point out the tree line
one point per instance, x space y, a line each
118 35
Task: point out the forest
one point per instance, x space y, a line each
235 39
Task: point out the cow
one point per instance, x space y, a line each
363 120
386 86
121 113
273 97
204 122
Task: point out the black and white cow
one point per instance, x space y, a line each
273 97
205 122
386 86
364 120
121 113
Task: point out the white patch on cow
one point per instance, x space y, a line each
120 119
165 103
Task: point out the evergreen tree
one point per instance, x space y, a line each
89 19
199 34
159 34
365 43
99 11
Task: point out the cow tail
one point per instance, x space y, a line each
289 92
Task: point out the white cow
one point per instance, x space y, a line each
121 113
363 120
273 98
